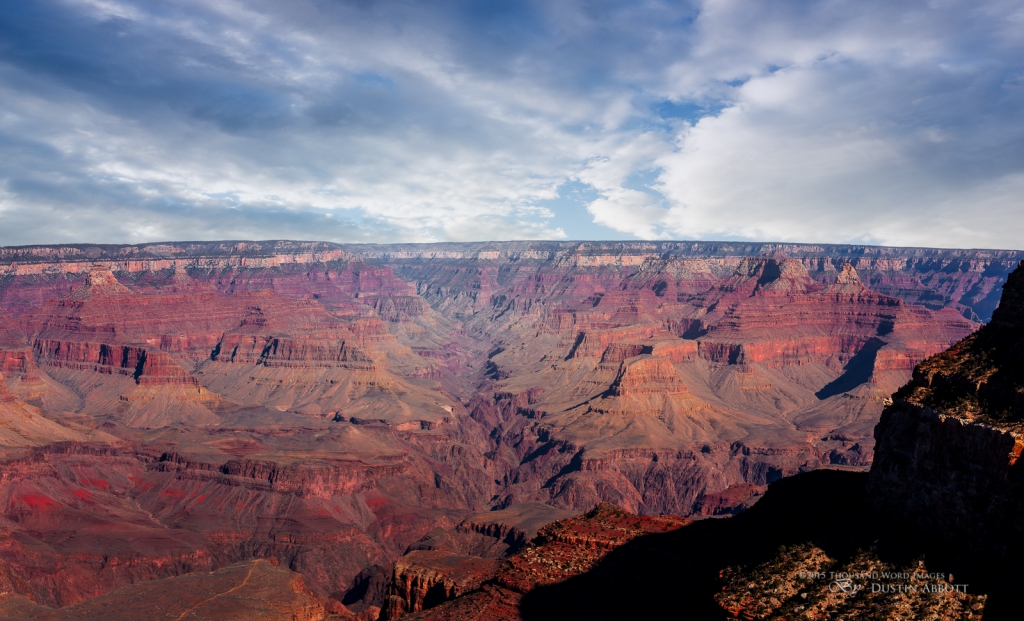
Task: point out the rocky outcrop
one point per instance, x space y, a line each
515 525
596 342
145 366
794 585
949 446
560 551
425 578
645 375
957 481
732 500
306 480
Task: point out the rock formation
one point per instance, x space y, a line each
173 409
950 443
560 550
785 558
426 578
931 533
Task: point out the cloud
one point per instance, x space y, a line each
865 130
126 121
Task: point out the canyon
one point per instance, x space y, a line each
932 531
396 425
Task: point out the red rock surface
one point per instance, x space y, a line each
424 578
750 370
561 550
332 406
258 590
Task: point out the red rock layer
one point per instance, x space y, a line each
646 375
423 578
139 516
142 365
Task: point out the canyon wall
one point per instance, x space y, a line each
331 406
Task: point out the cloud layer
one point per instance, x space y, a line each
829 121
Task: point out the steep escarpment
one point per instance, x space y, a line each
950 443
425 578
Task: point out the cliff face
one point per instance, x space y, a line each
426 578
949 446
946 485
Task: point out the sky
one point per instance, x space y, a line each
880 122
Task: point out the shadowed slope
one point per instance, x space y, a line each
817 521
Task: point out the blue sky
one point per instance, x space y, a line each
880 122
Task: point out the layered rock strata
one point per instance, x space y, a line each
446 564
605 389
336 407
426 578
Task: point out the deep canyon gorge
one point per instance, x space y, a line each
371 430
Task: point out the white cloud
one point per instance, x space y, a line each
864 133
824 121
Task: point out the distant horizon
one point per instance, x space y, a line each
512 241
